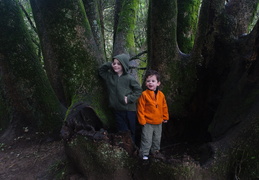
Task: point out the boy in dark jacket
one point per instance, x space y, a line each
123 91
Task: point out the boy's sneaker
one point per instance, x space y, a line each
145 157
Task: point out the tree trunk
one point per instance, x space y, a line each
242 13
214 85
227 90
51 64
218 68
125 19
240 85
69 36
92 8
177 72
188 11
28 94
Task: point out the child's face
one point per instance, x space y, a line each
117 67
152 83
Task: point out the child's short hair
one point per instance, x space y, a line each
151 72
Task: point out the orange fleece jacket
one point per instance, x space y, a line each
151 108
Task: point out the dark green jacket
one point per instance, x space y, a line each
120 86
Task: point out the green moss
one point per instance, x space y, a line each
244 158
127 21
254 18
187 23
76 53
95 102
69 29
60 169
99 158
180 85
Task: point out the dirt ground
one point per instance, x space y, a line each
36 158
27 159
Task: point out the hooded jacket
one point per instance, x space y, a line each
120 86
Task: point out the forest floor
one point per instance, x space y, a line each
26 158
33 158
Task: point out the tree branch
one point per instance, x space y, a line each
138 55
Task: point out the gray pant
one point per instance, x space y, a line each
150 139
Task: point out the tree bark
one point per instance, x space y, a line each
242 13
187 19
93 13
239 93
5 114
227 86
29 96
125 19
69 36
51 64
177 71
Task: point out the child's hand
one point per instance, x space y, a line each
165 121
126 99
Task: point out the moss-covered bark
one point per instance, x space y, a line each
29 95
93 12
177 72
102 160
187 19
242 13
125 20
98 160
217 61
65 31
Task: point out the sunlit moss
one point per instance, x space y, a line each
188 11
127 22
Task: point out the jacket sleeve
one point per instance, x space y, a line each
104 70
165 110
141 110
136 91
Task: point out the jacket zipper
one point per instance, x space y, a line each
155 99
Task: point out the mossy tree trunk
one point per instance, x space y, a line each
227 90
124 25
221 55
187 18
28 97
177 72
198 88
70 51
215 87
94 15
242 13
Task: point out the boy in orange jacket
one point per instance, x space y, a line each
152 111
